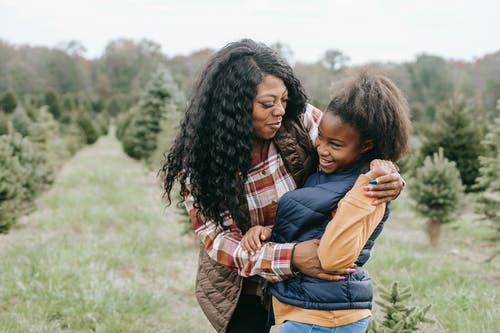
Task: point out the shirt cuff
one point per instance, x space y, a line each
282 260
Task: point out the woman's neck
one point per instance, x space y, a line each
260 149
258 142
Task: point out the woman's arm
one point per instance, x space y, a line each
272 261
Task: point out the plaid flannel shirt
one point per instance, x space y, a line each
267 182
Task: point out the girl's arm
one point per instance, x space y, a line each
354 221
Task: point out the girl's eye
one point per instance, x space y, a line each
267 105
335 145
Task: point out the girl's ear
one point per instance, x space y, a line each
366 146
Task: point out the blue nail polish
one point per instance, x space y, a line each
373 181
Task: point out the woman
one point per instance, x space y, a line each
246 139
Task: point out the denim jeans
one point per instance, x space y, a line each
295 327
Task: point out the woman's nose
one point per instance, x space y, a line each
279 110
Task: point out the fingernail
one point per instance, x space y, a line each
351 270
252 253
368 194
374 181
341 277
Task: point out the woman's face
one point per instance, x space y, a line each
269 107
338 144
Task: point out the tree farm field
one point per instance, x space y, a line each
102 253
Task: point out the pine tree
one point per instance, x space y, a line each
437 191
11 175
102 123
24 174
47 135
138 141
398 318
52 101
488 201
21 122
8 102
123 121
458 132
84 121
68 102
4 124
140 137
113 107
34 161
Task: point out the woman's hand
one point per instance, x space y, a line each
305 259
252 238
386 184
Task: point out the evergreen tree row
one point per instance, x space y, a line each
35 141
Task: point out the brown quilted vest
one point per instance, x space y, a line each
218 287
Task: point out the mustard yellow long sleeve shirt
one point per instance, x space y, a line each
353 222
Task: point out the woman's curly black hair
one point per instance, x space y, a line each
213 147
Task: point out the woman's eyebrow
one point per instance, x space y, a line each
273 95
267 95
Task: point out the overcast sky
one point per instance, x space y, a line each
365 30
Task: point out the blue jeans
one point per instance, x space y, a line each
295 327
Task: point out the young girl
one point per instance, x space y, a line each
368 119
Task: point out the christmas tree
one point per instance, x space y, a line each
437 191
140 136
489 181
459 132
398 318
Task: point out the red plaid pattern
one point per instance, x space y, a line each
267 182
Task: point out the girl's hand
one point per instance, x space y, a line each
251 241
386 184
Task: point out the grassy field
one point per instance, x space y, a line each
464 290
102 254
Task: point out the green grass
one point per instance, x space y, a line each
463 290
103 254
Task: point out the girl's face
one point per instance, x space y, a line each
269 107
338 144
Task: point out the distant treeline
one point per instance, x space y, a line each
112 82
115 80
53 101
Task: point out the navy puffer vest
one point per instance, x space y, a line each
302 215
